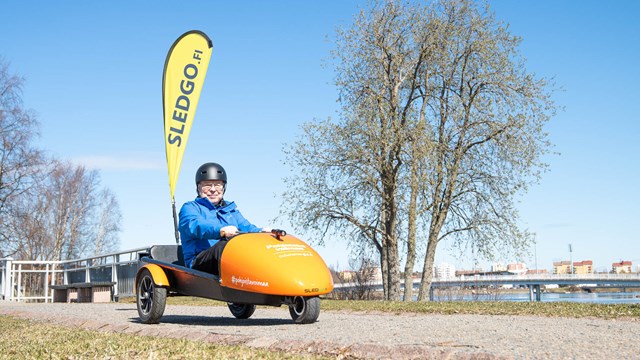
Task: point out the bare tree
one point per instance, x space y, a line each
73 218
440 129
18 128
356 284
364 278
350 171
19 159
107 226
49 210
487 116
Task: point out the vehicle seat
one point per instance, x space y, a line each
168 253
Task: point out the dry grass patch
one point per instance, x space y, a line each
550 309
27 339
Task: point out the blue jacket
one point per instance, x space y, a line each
200 224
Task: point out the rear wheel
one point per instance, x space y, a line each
305 310
150 298
241 311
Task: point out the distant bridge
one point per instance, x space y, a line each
533 282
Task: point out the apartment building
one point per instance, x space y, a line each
517 268
498 267
444 271
622 267
583 267
562 267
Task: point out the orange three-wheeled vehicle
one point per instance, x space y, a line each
256 269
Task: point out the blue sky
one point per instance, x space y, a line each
93 74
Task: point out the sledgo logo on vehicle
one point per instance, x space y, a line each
309 291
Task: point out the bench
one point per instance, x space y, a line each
97 292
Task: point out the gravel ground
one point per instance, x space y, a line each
363 335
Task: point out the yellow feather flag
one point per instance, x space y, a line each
184 71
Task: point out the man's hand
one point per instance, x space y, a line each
228 232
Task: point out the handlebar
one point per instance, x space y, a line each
278 233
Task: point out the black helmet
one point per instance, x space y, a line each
211 171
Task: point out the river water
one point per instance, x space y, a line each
582 297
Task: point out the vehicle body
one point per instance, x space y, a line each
255 269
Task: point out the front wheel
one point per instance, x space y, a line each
241 311
305 310
150 298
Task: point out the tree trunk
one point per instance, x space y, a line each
411 236
384 268
394 269
390 260
427 271
390 241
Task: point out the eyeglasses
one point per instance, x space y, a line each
208 187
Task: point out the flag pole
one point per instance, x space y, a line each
175 221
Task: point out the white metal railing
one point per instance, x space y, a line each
543 278
631 279
29 280
4 280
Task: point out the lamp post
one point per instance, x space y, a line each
535 252
570 260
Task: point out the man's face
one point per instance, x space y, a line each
212 190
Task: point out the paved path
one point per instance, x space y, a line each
364 335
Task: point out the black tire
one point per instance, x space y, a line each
241 311
151 299
305 310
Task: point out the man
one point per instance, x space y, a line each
207 222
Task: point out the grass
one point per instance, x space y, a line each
549 309
34 340
27 339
